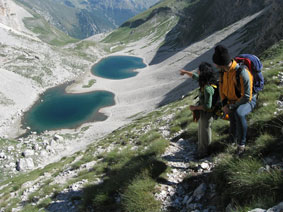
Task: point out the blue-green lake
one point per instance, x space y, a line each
118 67
57 109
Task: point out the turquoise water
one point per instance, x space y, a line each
118 67
56 109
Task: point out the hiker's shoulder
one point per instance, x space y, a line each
209 89
244 72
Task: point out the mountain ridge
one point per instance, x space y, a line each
86 18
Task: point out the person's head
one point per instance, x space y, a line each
206 74
204 66
221 57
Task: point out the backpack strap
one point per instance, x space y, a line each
214 86
225 101
238 82
244 61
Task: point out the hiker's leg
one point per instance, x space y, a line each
209 117
233 128
204 131
242 126
200 123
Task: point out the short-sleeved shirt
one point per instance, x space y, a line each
205 94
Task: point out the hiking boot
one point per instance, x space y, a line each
240 149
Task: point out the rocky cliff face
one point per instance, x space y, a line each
267 29
208 16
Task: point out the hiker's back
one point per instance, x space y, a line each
254 65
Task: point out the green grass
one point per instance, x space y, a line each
46 32
263 145
30 208
147 13
125 35
118 178
241 181
122 167
90 83
273 54
138 196
148 137
84 45
44 203
17 182
130 31
83 49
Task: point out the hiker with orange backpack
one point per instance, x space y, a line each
207 80
236 93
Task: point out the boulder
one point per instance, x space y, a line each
28 153
58 138
11 148
2 155
35 147
24 164
204 165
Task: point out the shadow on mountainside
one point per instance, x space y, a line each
66 201
107 195
178 92
188 85
201 19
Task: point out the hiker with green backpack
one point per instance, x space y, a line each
240 81
203 112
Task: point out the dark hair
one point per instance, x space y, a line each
207 75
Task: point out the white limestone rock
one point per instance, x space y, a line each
25 164
28 153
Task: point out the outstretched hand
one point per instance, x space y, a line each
183 72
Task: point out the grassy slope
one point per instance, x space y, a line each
149 23
239 180
128 160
